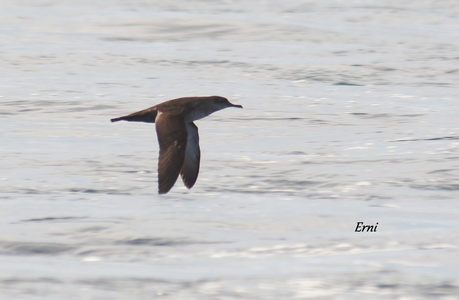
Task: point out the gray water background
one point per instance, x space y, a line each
350 114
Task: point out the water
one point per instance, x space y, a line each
349 115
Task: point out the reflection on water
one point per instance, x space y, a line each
349 115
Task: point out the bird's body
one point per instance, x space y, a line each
178 137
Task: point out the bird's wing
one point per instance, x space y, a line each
172 138
190 167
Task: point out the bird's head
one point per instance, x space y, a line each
220 103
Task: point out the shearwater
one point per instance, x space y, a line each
178 137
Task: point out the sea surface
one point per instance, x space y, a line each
350 115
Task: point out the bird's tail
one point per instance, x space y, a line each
117 119
147 115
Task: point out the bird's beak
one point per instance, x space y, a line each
236 105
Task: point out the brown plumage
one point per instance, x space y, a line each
178 137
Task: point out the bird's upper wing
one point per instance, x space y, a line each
190 167
172 138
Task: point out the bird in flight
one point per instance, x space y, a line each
178 137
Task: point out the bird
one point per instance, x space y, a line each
178 138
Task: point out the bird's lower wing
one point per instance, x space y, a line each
190 167
172 138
